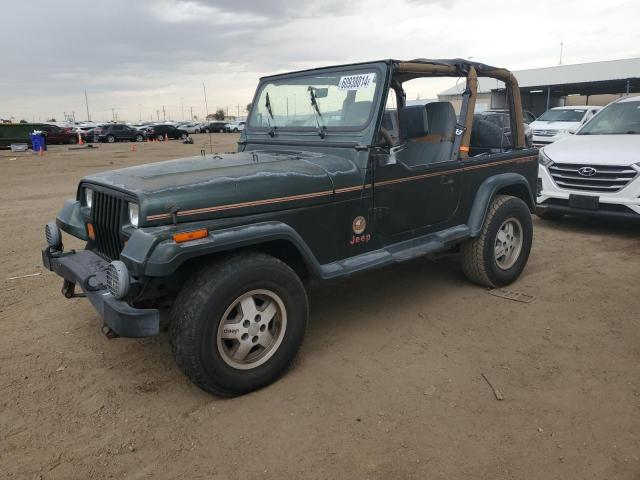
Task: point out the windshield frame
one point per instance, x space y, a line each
380 68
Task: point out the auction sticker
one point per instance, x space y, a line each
356 82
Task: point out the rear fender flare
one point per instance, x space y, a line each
488 189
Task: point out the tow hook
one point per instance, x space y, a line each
110 334
69 290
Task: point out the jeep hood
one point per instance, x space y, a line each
595 149
222 185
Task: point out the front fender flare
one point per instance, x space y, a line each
163 258
69 219
486 192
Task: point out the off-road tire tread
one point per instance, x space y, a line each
471 251
183 324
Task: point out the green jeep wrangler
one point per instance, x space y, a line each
326 183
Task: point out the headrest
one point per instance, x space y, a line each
413 122
358 113
442 118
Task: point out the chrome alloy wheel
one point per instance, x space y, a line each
508 244
252 329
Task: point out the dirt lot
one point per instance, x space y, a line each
388 384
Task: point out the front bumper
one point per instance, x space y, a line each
605 210
87 270
623 204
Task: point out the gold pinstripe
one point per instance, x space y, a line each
270 201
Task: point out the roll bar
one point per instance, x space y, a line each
471 71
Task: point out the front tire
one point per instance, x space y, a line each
111 139
237 325
499 254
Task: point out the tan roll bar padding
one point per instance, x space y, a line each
472 85
410 70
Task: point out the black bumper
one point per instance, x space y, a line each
87 270
604 211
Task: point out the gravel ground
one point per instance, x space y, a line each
388 384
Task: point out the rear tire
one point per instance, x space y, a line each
499 254
73 140
183 136
224 333
139 138
110 139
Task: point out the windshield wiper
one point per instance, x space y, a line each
272 129
322 129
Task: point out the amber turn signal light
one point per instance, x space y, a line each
188 236
91 231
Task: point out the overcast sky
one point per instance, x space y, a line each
136 56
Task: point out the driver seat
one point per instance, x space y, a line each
429 131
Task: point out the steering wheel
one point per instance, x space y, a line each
386 136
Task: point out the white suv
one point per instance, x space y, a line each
595 172
559 122
236 126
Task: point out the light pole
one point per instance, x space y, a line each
206 105
86 102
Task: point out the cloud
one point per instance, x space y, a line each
137 56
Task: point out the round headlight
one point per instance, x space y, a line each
134 214
117 279
88 197
53 235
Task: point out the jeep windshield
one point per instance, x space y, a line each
335 101
616 119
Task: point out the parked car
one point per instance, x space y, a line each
117 132
169 131
235 127
19 133
190 127
217 126
559 122
228 239
59 135
595 172
527 116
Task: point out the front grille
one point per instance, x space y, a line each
595 178
106 214
545 133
